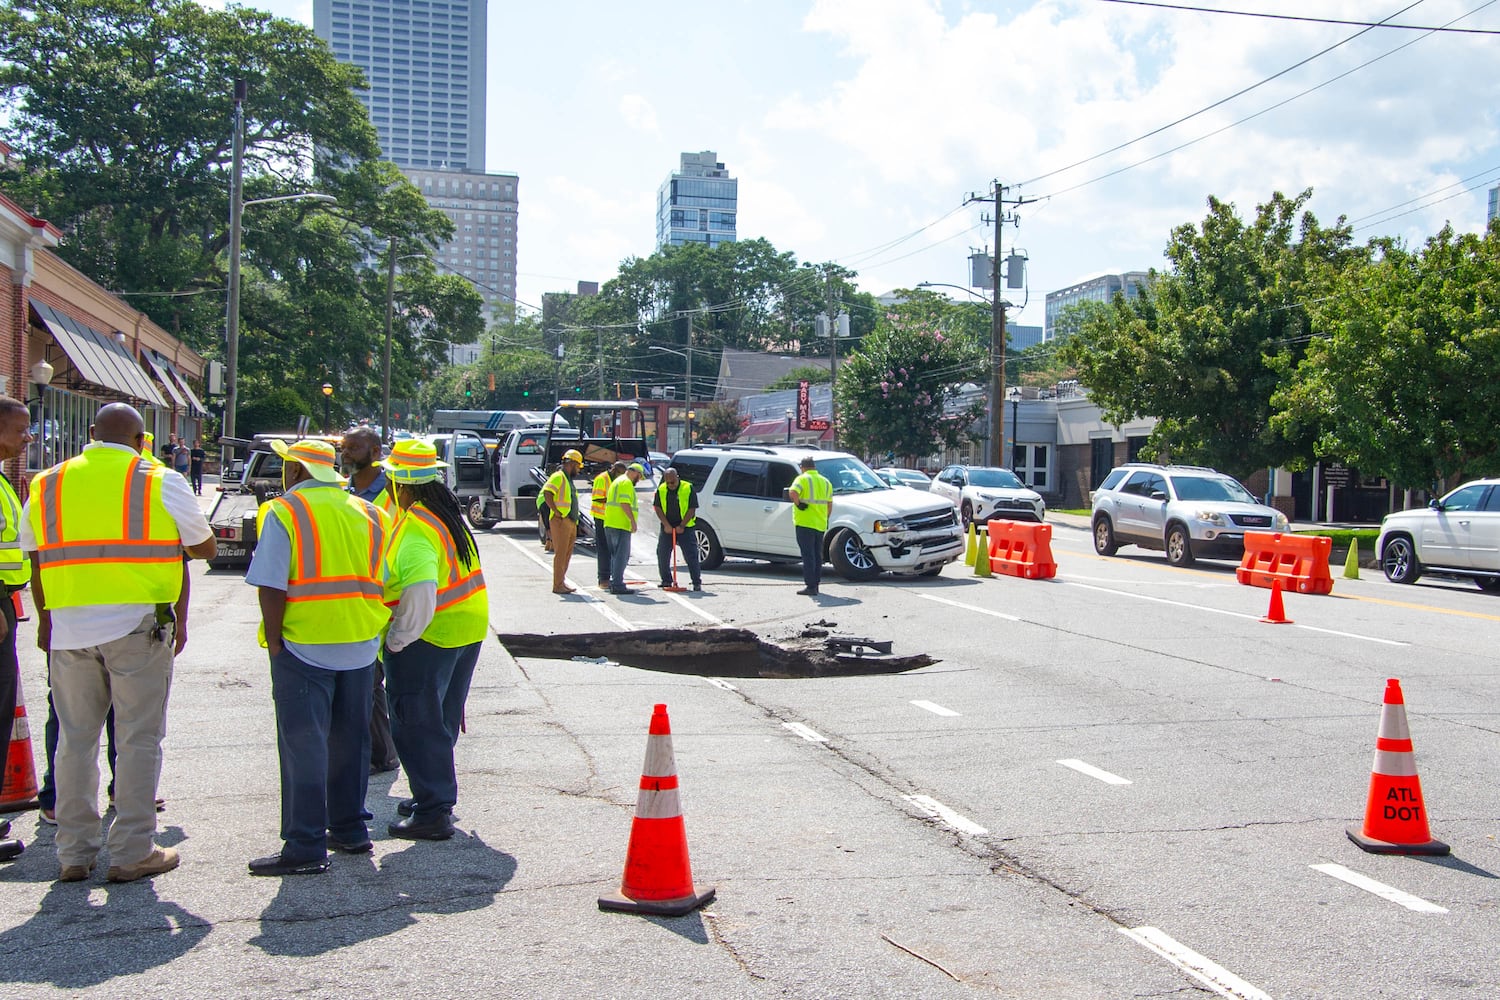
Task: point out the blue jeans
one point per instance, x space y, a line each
810 544
427 686
619 555
323 737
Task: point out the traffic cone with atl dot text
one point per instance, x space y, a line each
658 877
1395 817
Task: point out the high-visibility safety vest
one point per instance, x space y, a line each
462 616
815 489
103 535
335 592
621 494
601 492
684 490
563 494
15 565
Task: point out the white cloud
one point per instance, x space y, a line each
639 114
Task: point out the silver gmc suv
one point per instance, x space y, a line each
1187 510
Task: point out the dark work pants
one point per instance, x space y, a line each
10 672
382 749
601 549
687 543
428 686
323 737
810 544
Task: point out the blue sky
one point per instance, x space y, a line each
855 124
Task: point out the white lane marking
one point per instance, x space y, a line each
938 811
1094 772
716 682
936 709
692 606
1231 614
1210 974
593 602
807 734
969 607
1380 889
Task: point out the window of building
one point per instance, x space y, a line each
1034 465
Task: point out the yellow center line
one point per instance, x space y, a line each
1422 607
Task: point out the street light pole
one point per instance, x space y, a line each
788 426
390 306
327 399
687 401
236 210
1015 427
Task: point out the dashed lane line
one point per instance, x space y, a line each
810 735
936 709
932 807
1380 889
969 607
1210 974
1094 772
721 684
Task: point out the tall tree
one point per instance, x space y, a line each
1206 346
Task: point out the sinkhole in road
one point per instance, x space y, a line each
709 652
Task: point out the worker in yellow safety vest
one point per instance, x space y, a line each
319 567
15 571
109 529
597 508
561 495
620 523
676 505
367 480
441 615
812 495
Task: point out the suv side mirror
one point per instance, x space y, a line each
1158 495
1435 504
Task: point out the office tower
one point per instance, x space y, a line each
1100 289
698 203
1494 205
483 208
424 61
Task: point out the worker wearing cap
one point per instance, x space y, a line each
108 529
441 613
620 523
561 495
319 569
812 495
675 505
598 504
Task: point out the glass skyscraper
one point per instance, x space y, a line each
425 63
697 204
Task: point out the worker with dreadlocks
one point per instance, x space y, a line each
440 614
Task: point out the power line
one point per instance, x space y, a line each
1308 20
1429 194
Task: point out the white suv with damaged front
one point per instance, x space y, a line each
873 527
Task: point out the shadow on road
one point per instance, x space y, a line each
74 942
358 901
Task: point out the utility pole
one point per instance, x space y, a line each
390 311
995 454
236 208
688 413
833 356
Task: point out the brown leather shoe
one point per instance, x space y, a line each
75 873
161 859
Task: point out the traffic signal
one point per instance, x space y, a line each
526 388
578 388
468 392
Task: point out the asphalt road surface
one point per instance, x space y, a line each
1116 783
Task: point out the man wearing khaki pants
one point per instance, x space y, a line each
107 530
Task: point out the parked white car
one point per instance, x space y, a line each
982 493
913 478
1458 535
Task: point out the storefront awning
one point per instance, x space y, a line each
160 371
98 358
176 386
187 390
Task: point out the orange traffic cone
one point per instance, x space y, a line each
15 599
18 786
1395 819
1275 615
658 877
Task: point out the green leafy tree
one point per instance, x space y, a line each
1208 343
1403 383
811 374
896 394
276 410
719 422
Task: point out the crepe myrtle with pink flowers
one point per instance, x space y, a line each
896 393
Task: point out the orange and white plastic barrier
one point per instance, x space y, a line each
18 787
1298 562
1395 816
1021 549
658 876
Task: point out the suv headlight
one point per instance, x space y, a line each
988 496
1280 522
1213 517
891 524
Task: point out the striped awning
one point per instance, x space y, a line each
97 357
176 385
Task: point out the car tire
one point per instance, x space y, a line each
475 514
710 552
1179 546
1104 536
1398 560
966 512
851 558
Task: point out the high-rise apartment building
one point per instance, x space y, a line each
698 203
1494 205
425 63
1100 289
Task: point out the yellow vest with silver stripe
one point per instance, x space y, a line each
15 565
462 616
334 591
600 492
103 534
